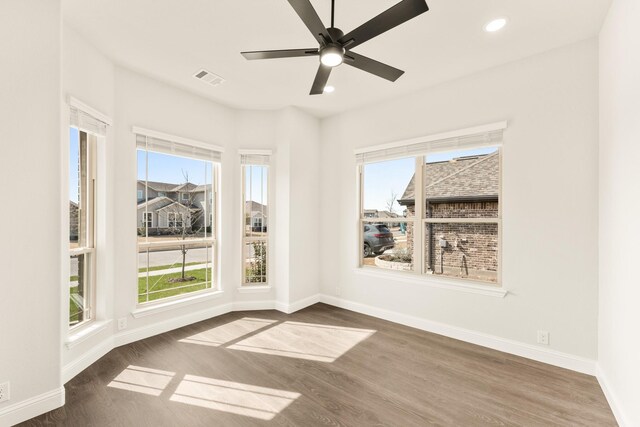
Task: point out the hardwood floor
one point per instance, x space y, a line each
321 366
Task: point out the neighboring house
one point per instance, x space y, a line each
73 221
374 213
256 215
163 207
466 187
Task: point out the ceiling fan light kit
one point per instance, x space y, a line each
335 46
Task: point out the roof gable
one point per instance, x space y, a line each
465 177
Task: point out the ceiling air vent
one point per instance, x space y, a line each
208 77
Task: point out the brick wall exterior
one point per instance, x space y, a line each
73 221
471 250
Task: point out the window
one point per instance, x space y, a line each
81 287
435 213
177 255
176 219
255 214
148 219
140 195
88 128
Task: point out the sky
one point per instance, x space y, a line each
171 169
381 179
256 183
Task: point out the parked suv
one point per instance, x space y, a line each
377 239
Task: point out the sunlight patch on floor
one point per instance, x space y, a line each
142 380
322 343
220 335
232 397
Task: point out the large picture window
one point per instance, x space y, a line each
176 218
255 214
436 213
82 165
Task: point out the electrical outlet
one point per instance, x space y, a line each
4 392
543 337
122 323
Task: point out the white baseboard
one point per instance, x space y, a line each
552 357
605 385
126 337
81 363
297 305
32 407
253 305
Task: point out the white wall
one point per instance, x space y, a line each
549 199
619 325
30 157
89 76
298 221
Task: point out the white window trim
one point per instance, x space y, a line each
76 103
168 137
152 307
248 287
177 301
83 334
90 248
419 275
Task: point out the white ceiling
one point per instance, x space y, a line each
172 39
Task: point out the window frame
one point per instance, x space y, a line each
147 219
88 234
420 221
209 242
244 284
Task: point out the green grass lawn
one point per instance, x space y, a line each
74 310
162 288
164 267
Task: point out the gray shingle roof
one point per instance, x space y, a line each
465 177
254 207
167 187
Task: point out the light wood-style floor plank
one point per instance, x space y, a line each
321 366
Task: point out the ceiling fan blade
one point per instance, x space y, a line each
322 76
372 66
310 17
286 53
390 18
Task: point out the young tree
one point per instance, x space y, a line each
391 201
185 217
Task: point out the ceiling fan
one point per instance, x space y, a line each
335 46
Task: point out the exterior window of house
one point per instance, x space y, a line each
140 194
255 214
436 213
148 219
82 168
177 253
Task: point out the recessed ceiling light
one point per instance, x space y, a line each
495 25
329 89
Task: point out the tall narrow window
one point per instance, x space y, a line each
255 215
433 207
176 216
82 147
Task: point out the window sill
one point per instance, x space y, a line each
153 308
84 333
436 282
254 289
